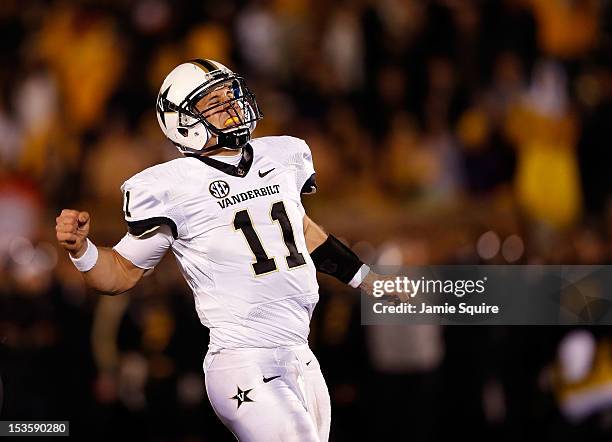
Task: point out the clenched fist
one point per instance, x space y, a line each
72 228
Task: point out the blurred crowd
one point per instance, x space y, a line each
443 132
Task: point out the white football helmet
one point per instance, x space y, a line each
186 126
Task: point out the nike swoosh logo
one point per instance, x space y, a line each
261 175
307 363
266 380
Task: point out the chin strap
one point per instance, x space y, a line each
231 140
234 140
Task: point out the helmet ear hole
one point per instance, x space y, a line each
184 132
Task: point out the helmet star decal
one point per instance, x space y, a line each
242 396
161 105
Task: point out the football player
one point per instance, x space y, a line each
230 211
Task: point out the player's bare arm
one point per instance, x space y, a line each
317 237
364 278
111 273
314 234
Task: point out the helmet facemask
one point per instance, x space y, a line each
237 111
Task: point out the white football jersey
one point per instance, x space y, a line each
238 238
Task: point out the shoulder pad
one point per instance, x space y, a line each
150 200
294 153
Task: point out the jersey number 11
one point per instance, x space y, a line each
265 264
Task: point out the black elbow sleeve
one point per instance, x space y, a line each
335 259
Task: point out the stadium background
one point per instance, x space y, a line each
443 131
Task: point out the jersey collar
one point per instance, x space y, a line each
240 170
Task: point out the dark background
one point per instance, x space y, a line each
443 132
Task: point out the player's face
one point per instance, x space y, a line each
219 109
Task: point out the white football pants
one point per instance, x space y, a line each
269 395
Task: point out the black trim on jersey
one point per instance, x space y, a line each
240 170
310 186
335 259
137 228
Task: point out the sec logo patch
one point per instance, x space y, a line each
219 189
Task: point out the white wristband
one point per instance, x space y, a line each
86 262
359 276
